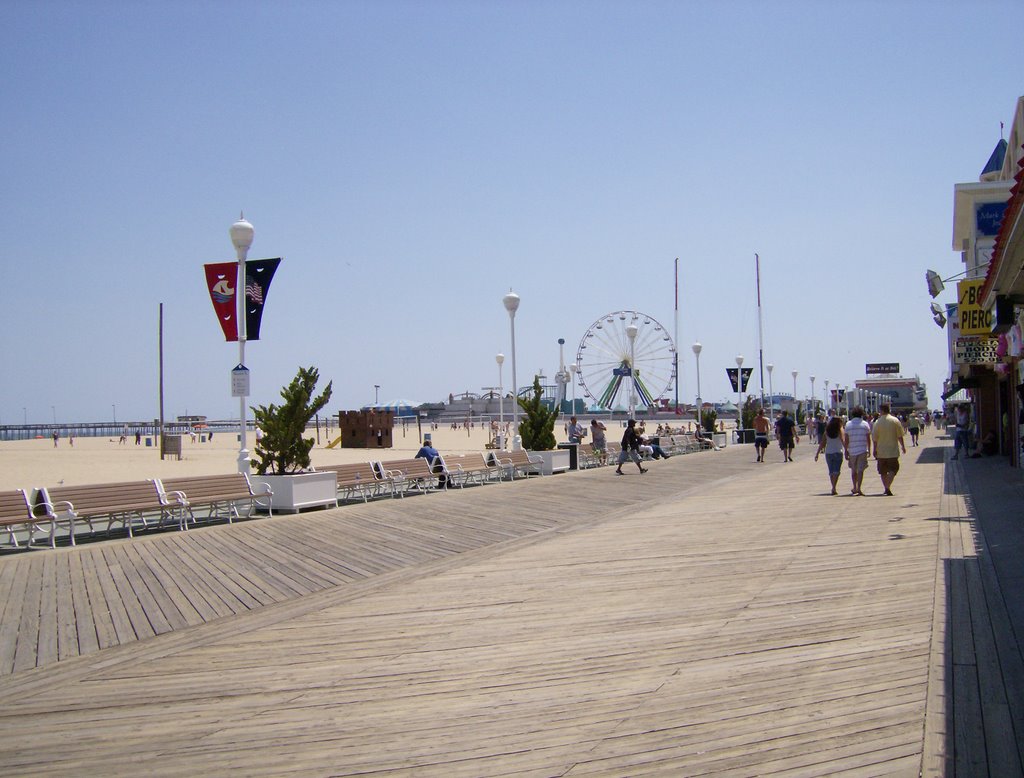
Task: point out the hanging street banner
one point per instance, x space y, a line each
221 280
220 283
735 373
258 275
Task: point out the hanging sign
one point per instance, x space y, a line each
973 319
976 351
240 381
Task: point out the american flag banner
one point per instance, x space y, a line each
258 275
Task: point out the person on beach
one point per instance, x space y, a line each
56 437
429 453
858 446
630 448
887 437
833 443
599 441
762 426
785 431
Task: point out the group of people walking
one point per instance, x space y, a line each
856 440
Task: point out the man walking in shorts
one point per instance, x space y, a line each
858 446
761 429
887 436
785 430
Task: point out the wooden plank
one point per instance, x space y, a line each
67 626
182 563
101 612
27 616
15 570
122 598
84 620
190 603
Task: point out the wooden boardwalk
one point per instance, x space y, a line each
712 617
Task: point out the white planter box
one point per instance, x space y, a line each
553 461
301 490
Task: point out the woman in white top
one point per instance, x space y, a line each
833 443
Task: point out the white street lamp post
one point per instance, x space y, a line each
631 331
771 390
500 359
573 368
696 352
511 302
795 373
241 236
739 393
828 397
813 399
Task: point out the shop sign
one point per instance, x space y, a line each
973 319
976 351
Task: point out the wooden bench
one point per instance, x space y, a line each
359 480
512 462
588 456
16 512
412 475
463 469
221 495
125 503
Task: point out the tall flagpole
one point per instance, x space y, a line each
760 333
675 356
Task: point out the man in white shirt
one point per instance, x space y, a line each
858 443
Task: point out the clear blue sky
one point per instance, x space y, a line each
412 161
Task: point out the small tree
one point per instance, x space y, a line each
749 411
283 449
537 429
708 418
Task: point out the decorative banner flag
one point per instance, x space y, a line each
220 282
258 275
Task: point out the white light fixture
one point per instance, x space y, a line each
500 359
242 233
631 331
511 302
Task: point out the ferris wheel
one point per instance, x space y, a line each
605 359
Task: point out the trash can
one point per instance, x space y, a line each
574 454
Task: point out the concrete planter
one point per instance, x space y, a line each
552 461
294 492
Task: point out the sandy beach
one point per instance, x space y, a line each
34 463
